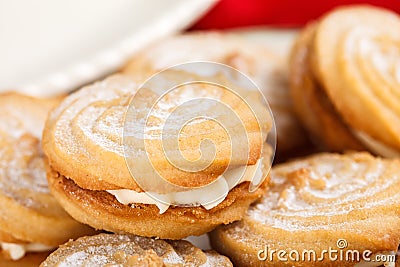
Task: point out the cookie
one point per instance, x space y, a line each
130 250
327 201
30 217
312 105
345 69
266 65
87 160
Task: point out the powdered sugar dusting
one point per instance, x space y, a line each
22 173
129 250
326 185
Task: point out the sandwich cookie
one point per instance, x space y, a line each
130 250
313 107
344 80
324 210
31 219
204 184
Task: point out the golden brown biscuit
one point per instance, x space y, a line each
83 141
30 218
130 250
311 103
344 80
356 60
343 202
266 65
83 136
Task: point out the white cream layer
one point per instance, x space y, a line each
17 251
203 196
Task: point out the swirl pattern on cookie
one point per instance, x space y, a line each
311 103
88 147
130 250
356 60
83 136
313 203
30 218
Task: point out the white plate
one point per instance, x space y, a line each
49 47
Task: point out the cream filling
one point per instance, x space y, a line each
375 145
17 251
203 196
374 263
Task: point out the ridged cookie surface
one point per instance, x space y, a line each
129 250
28 212
344 202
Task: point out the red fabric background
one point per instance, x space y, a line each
281 13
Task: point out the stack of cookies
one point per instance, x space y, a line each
322 210
97 169
32 222
84 145
181 154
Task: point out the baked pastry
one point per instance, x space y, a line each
31 219
323 202
343 77
266 65
88 155
130 250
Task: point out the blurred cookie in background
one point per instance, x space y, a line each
344 80
131 250
101 175
315 111
32 222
